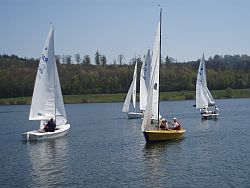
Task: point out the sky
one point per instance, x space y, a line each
189 27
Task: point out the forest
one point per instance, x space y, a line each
81 76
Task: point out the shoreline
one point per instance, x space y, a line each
119 97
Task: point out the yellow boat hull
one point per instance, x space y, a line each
163 135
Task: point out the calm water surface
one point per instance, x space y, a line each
105 149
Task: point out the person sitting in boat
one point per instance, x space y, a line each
216 110
176 124
203 110
50 126
163 124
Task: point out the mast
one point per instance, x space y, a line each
54 73
135 79
159 72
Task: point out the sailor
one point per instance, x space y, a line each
50 126
203 110
163 124
176 124
216 110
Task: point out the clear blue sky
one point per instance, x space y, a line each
189 27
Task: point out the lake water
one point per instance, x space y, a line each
105 149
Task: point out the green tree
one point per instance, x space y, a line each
86 60
97 58
167 60
68 59
120 59
103 60
77 58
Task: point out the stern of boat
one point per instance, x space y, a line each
209 116
135 115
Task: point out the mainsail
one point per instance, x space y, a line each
154 76
203 95
47 100
131 92
152 106
149 110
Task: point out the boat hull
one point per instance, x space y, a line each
34 135
135 115
209 116
163 135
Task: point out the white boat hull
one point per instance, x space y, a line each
135 115
61 130
209 116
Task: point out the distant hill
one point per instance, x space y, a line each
17 75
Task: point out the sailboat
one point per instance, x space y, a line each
151 129
47 100
204 99
132 94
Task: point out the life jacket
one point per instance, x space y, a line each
178 126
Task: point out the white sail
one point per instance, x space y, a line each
131 92
149 107
126 103
203 95
145 81
152 106
47 101
155 64
134 85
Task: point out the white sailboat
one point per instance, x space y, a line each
204 99
151 130
47 100
132 94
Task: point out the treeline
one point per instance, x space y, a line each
17 75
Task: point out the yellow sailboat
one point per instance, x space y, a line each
163 135
151 129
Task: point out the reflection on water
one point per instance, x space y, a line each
48 162
204 124
156 159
